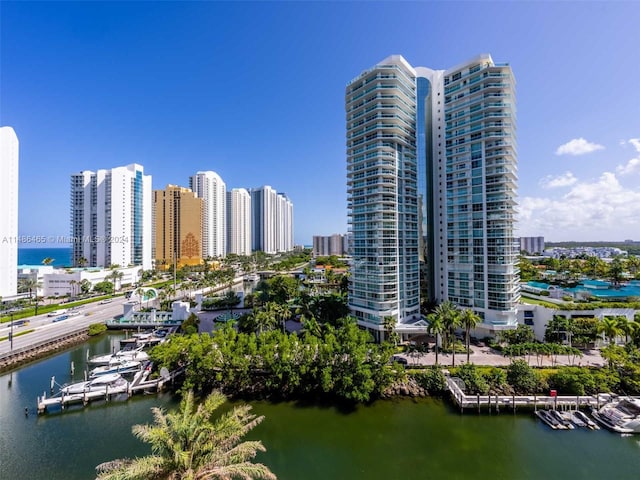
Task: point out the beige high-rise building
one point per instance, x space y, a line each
177 215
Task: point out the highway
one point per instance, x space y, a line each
45 327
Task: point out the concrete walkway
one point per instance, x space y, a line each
485 356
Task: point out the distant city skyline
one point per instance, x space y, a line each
184 87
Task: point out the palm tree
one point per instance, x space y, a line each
609 326
279 312
468 319
263 320
311 325
633 265
72 284
85 286
82 262
448 312
591 265
616 270
117 276
389 325
628 327
436 327
48 261
29 284
140 294
190 444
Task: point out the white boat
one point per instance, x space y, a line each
621 415
113 381
547 418
120 366
573 418
136 354
577 414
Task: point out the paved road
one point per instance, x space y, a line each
46 328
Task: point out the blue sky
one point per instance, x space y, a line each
255 92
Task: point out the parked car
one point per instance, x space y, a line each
399 359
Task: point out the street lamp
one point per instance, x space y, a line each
11 332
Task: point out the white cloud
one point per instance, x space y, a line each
565 180
578 146
598 210
633 165
635 142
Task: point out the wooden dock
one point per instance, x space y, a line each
138 384
533 402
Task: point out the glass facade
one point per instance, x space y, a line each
432 178
137 218
382 194
481 181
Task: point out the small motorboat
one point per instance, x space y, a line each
102 383
121 366
136 354
586 420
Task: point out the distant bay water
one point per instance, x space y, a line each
34 256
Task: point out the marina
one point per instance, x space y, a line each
123 373
104 387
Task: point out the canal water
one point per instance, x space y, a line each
402 439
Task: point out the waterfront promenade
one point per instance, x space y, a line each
486 356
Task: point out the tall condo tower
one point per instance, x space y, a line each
8 212
111 218
382 194
455 131
271 220
239 221
210 187
481 182
263 219
284 222
177 214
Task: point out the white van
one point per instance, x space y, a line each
56 313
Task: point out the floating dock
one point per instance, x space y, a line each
511 402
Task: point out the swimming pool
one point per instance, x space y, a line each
598 288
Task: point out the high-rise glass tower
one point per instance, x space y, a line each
481 182
210 187
8 212
263 219
111 217
382 194
431 173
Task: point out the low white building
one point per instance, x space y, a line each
539 316
33 272
66 282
